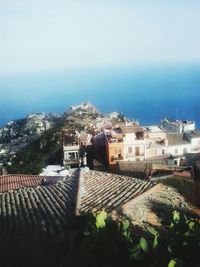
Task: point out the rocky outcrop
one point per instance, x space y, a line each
17 134
86 107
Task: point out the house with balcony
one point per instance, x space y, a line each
75 147
178 147
149 143
155 142
71 148
134 143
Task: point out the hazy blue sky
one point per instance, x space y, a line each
40 35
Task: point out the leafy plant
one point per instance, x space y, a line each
105 242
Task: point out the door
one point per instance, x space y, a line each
137 151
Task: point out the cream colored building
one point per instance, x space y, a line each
133 143
71 148
155 142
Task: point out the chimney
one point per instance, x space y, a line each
3 170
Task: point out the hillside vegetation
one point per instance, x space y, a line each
46 148
43 151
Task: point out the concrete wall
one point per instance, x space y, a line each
195 142
180 148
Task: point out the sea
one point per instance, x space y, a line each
147 93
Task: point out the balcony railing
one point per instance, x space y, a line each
70 144
113 158
71 161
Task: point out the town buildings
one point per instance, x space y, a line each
177 126
155 142
194 138
173 143
169 143
178 147
71 147
75 146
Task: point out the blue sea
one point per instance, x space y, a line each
148 93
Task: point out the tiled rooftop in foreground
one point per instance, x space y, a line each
13 182
30 202
47 207
100 190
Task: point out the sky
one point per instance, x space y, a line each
43 35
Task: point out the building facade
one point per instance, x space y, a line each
135 143
71 148
177 126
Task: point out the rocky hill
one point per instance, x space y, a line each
87 117
28 145
16 135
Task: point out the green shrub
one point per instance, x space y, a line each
97 240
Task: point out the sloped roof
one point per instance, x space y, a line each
108 191
47 207
176 139
131 129
156 205
15 181
50 206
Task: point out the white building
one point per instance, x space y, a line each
51 170
71 148
155 142
194 138
177 126
178 147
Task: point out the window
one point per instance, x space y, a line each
71 155
137 151
184 150
176 151
130 150
163 152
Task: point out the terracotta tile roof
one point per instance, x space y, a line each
155 206
45 207
109 191
131 129
50 206
13 182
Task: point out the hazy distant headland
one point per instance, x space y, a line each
146 93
